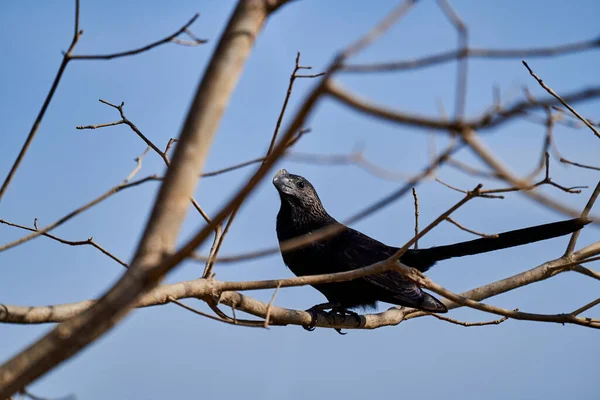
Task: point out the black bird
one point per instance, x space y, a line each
302 212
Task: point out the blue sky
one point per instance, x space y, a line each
169 352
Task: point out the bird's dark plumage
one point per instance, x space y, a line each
302 212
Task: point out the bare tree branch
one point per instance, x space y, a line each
415 196
38 120
85 207
209 287
148 265
149 143
563 160
90 241
563 102
218 242
462 67
470 138
469 324
156 255
459 226
171 38
68 56
452 55
486 121
330 231
584 214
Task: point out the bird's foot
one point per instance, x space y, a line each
343 312
313 320
314 311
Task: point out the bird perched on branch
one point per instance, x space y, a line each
302 213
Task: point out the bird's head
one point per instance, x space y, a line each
297 192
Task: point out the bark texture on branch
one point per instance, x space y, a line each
169 209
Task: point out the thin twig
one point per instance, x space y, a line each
38 120
471 170
584 214
563 102
448 56
462 67
488 196
269 307
79 210
169 39
288 94
68 56
414 192
138 166
90 241
564 160
332 230
486 121
170 143
374 33
149 143
171 299
586 307
470 230
470 138
547 180
220 237
469 324
100 125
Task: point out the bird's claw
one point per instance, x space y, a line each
344 313
335 311
313 320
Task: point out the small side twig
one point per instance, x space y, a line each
584 214
67 56
171 299
470 230
470 324
462 60
288 94
563 102
169 39
414 192
79 210
220 236
547 180
586 307
149 143
270 306
565 161
89 242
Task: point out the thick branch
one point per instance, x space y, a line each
201 288
147 267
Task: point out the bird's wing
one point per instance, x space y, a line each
396 287
363 250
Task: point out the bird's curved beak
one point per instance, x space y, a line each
281 181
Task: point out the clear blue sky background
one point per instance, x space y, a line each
167 352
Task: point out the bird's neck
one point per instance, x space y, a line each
295 221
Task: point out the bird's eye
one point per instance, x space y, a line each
300 185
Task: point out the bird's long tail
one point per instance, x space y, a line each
425 258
